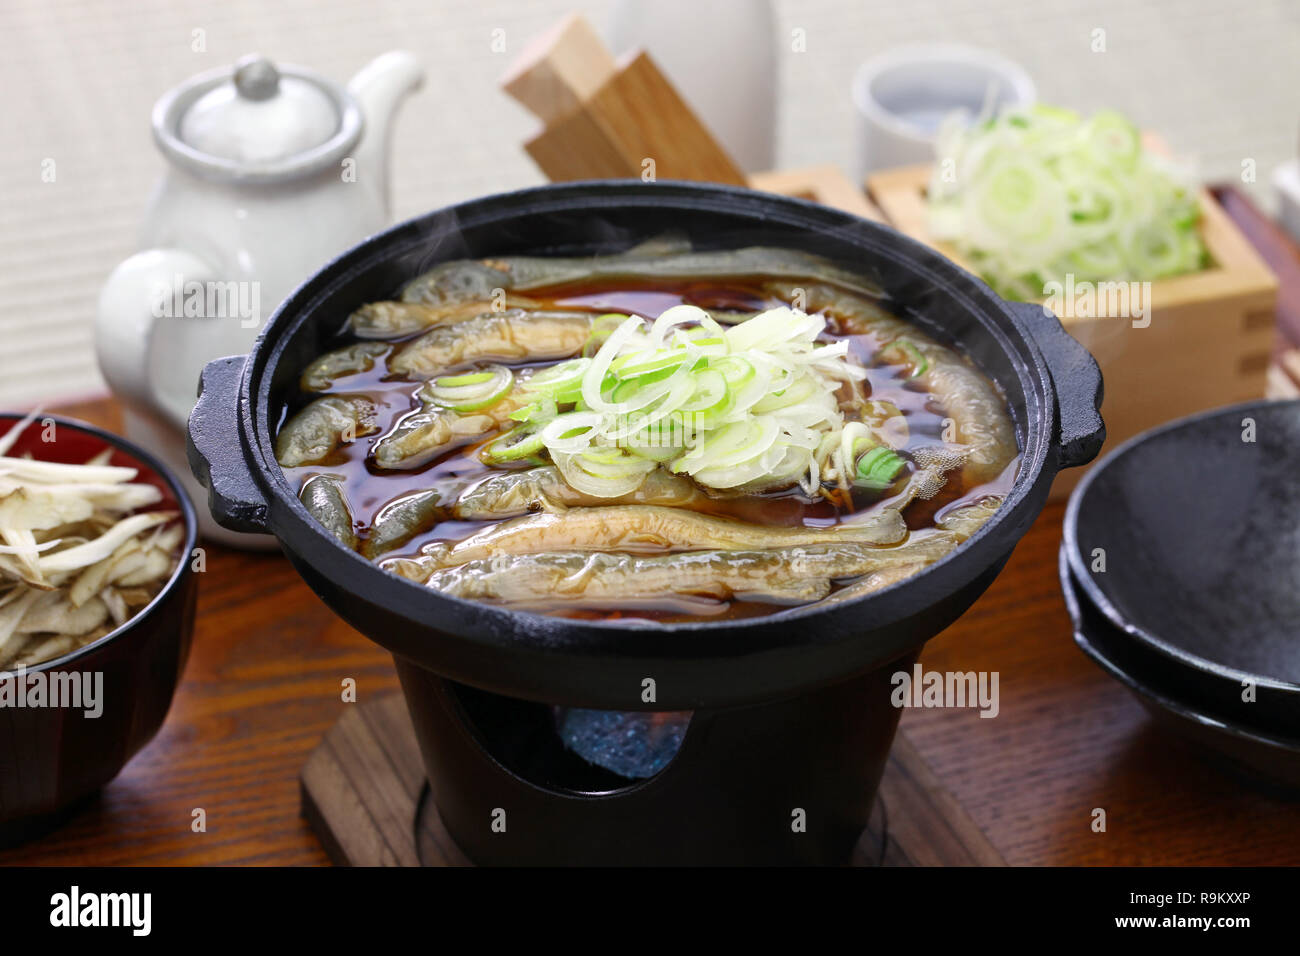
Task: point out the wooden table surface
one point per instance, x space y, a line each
264 679
263 684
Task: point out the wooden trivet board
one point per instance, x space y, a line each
365 795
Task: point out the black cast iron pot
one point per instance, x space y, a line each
746 679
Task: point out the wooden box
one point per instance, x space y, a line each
1209 334
1284 375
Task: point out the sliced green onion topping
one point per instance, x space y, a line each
878 468
471 391
521 443
1035 197
747 405
908 355
604 473
562 381
542 410
601 328
571 432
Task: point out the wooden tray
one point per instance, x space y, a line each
826 184
365 795
1208 341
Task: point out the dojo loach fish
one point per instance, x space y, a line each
874 581
324 499
979 417
349 360
424 435
514 493
510 335
395 320
463 280
854 314
957 524
316 431
776 574
470 280
977 411
966 519
886 422
434 430
648 528
531 273
792 574
603 577
402 519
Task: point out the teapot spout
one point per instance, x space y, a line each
380 87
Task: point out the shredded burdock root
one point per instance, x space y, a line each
77 557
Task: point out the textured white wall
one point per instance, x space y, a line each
1220 81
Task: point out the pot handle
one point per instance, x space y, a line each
1077 382
215 453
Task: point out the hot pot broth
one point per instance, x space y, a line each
417 441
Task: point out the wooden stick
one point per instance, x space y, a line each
560 69
635 125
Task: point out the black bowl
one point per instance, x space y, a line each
1051 383
53 758
1258 755
1200 533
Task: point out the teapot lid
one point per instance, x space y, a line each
257 122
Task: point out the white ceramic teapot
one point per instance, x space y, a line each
273 170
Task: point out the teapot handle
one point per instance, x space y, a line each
127 318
